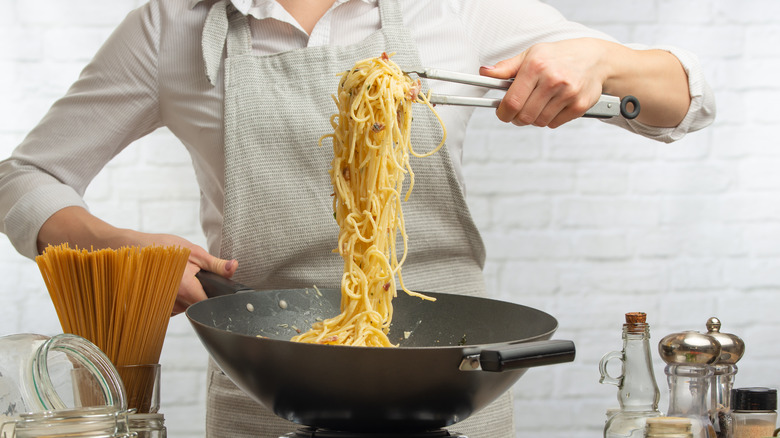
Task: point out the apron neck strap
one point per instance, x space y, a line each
239 37
390 14
225 25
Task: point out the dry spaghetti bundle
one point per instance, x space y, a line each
119 299
371 147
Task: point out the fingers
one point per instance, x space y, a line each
190 289
504 69
545 91
208 262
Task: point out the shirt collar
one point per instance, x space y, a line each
263 8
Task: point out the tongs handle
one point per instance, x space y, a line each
607 106
464 78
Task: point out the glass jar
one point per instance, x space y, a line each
148 425
40 373
142 385
754 412
89 422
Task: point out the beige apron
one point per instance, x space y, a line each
278 216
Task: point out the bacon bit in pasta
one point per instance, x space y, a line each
385 57
386 287
329 339
378 127
345 172
414 91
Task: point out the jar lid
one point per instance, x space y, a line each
731 346
668 425
754 399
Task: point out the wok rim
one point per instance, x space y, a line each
540 336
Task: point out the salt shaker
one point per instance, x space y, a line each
732 348
688 356
638 392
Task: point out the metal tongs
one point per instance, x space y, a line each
607 106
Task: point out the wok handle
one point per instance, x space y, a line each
527 355
216 285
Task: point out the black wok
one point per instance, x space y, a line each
455 356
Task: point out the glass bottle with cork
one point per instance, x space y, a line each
638 392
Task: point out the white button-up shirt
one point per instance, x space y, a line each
150 73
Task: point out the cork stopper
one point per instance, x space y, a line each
636 322
636 318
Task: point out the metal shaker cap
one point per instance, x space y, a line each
731 346
689 348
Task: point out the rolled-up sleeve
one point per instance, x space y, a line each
701 111
113 103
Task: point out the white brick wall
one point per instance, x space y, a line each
586 222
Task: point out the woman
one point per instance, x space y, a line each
246 85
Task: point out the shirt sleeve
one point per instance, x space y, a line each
113 102
501 29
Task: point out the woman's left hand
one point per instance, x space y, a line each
557 82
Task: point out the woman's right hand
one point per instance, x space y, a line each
78 227
190 289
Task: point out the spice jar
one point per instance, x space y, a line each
40 373
754 412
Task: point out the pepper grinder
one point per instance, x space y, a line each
638 392
731 350
689 356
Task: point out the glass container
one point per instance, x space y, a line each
688 356
40 373
89 422
732 348
148 425
754 411
638 392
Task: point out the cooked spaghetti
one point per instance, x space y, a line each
120 300
371 148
